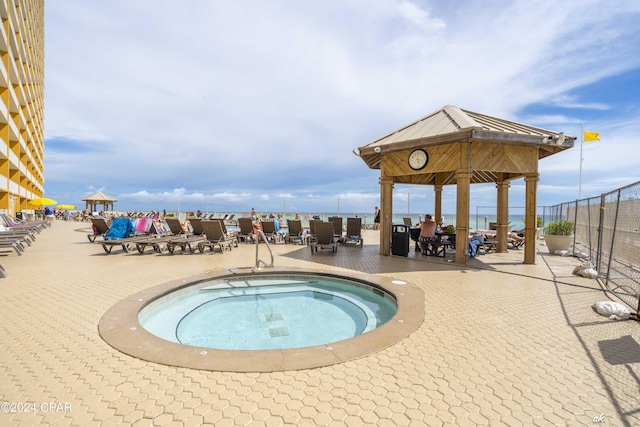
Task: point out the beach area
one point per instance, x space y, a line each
501 344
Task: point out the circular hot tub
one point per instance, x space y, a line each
264 321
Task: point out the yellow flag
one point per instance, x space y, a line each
591 136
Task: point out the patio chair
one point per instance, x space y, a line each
196 226
246 230
175 227
515 239
294 231
354 232
311 237
23 235
100 228
214 237
11 223
490 243
325 238
232 237
337 226
11 245
121 233
155 239
269 230
184 242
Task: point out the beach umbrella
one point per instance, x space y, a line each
42 201
66 206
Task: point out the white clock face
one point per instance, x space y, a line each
418 159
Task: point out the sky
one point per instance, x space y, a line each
224 106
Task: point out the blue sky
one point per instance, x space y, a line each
224 106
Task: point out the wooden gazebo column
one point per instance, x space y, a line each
462 214
531 202
437 188
502 215
386 208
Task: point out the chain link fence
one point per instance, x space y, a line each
607 230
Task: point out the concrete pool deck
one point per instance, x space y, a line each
502 343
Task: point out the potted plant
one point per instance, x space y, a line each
559 235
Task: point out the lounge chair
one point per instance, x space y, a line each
7 246
517 241
100 228
181 238
325 238
311 237
231 236
174 226
295 232
36 226
269 230
490 243
121 233
196 226
246 230
337 226
38 223
354 232
215 236
24 235
26 238
155 240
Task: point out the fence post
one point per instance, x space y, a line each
575 225
600 232
613 238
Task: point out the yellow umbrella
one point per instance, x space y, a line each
66 206
42 201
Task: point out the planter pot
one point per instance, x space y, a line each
558 243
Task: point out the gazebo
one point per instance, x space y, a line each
99 198
452 146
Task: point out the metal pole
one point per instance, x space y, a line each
581 141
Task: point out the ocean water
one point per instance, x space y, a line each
476 220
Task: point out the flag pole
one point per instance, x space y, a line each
581 141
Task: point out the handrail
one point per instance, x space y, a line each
258 260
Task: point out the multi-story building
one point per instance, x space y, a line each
21 104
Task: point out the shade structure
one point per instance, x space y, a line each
42 201
93 201
458 147
66 206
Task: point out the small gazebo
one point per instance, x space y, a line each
99 198
452 146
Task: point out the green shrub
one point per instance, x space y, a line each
562 227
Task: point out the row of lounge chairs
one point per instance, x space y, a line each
17 236
142 233
203 234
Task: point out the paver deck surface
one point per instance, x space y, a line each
502 343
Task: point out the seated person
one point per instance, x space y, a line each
276 222
427 234
159 225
